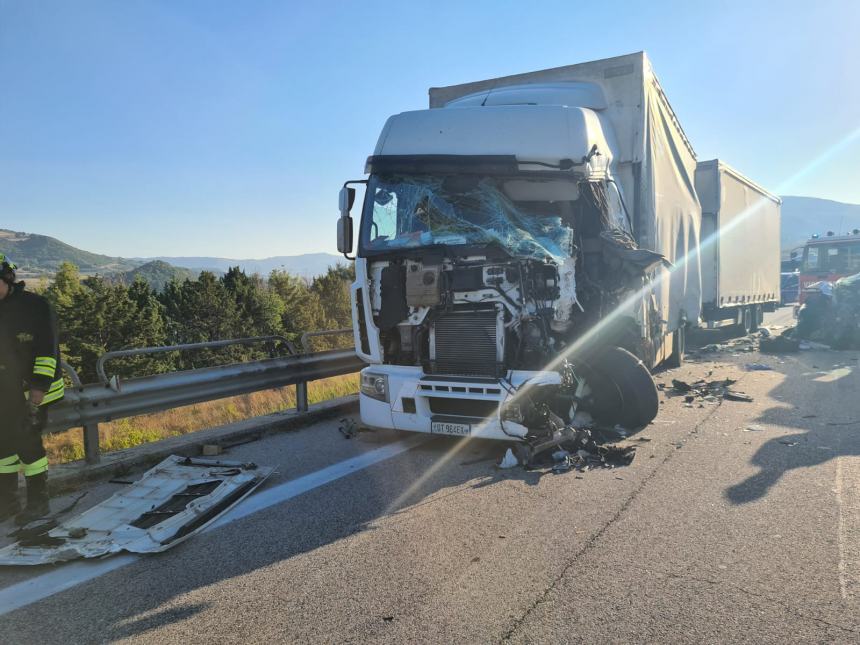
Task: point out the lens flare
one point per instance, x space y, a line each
628 305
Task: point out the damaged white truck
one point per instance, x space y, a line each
528 249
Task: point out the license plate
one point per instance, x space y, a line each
445 427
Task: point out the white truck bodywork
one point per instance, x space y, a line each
605 123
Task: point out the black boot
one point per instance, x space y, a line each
38 505
9 504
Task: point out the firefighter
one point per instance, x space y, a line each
30 378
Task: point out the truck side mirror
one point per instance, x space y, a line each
344 224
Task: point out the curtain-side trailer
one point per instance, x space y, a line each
740 249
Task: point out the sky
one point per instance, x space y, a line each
181 127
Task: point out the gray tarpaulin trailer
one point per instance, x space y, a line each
740 246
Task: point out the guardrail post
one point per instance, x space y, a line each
302 396
92 452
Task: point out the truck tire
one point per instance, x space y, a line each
756 317
622 389
679 347
744 324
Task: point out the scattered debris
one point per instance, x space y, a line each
785 343
509 460
733 395
171 502
710 391
788 442
807 345
563 462
581 450
753 427
758 367
348 427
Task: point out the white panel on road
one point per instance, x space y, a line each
171 502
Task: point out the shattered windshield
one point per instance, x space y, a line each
525 217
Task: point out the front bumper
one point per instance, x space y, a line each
416 400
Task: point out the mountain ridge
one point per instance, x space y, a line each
38 255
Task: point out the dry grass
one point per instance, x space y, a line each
125 433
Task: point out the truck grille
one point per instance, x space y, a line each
465 343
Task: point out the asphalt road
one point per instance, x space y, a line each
735 522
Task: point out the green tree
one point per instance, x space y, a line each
259 308
199 311
96 316
303 310
333 291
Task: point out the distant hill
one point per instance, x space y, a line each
42 255
803 216
307 265
158 273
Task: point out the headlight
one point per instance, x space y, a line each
375 386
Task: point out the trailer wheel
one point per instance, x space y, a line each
623 391
756 317
744 325
679 347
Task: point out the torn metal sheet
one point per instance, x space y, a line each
171 502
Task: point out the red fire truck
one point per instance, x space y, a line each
828 258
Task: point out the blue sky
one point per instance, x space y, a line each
142 128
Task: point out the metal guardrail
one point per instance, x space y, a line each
212 344
316 334
86 406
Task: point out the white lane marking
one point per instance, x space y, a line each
848 535
70 575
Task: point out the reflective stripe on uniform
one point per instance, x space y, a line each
36 468
10 465
55 392
45 366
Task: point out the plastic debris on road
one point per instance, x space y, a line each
348 427
709 391
171 502
757 367
509 460
578 449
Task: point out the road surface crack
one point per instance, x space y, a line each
592 541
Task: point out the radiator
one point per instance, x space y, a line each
468 343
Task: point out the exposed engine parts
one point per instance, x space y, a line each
483 310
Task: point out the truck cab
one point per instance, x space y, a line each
828 258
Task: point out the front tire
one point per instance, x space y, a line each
623 391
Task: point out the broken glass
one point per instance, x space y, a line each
409 211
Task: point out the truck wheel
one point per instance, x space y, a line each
679 347
744 325
756 317
623 391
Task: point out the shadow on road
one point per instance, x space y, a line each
821 389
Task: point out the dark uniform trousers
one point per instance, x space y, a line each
21 446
